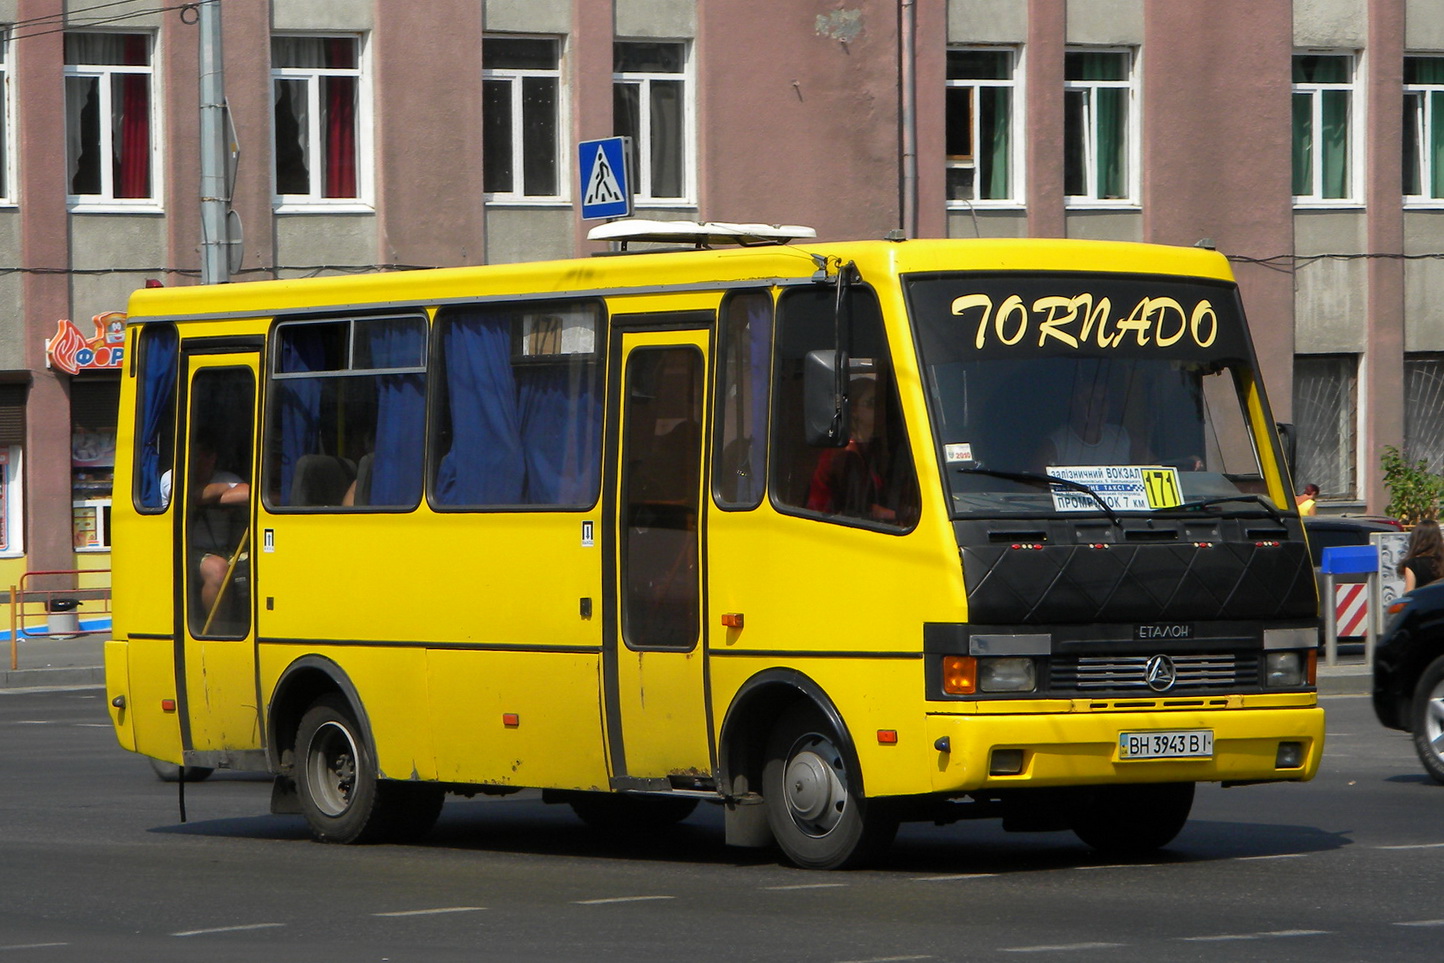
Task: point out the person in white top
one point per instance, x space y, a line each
222 489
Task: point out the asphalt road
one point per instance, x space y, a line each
96 864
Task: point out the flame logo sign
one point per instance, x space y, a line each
67 343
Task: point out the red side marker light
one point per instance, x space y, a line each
887 737
167 705
733 620
510 719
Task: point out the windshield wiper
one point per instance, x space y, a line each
1240 497
1044 477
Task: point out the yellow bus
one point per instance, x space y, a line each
834 535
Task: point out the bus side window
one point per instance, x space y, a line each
347 394
740 457
155 415
872 478
517 413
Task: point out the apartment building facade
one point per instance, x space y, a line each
1304 139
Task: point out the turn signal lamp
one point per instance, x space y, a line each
960 674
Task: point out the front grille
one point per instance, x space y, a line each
1126 672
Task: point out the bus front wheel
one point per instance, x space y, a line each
816 812
340 794
1131 821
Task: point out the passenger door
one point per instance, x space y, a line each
214 550
654 666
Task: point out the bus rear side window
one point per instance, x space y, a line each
740 458
155 414
347 413
517 410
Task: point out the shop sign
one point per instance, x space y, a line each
72 352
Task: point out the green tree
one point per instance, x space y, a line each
1414 491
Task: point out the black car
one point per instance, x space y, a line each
1409 673
1333 531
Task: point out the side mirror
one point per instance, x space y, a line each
824 409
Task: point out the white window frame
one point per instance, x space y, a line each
1132 154
642 189
515 76
1016 152
12 479
1315 90
315 201
1424 132
104 74
9 195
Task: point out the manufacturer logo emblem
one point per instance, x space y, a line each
1160 674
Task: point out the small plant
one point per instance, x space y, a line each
1414 491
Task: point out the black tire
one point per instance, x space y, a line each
1426 719
1132 821
335 772
170 772
815 805
627 815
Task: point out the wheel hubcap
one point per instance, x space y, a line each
331 766
1434 720
815 784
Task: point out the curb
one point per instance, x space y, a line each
90 676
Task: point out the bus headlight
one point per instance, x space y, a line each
1007 675
1283 670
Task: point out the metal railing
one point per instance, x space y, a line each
38 613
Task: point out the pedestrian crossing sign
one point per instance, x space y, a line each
606 186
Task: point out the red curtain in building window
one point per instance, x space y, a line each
132 160
340 98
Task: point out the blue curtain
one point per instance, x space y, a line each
529 435
400 413
157 391
299 401
485 465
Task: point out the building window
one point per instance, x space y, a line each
94 410
317 89
1424 128
1424 408
1325 402
651 103
1098 146
980 125
520 115
1323 127
109 130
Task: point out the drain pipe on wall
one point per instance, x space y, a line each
907 79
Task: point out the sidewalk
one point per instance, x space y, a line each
77 661
60 661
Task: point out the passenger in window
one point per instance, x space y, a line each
211 542
853 480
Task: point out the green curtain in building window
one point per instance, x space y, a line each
1111 124
997 136
1334 143
1435 146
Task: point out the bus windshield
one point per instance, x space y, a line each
1088 393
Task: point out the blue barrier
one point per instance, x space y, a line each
1350 560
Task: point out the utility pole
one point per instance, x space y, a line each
215 199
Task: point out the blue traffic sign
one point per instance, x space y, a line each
606 188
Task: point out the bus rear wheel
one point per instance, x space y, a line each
815 809
1132 821
341 797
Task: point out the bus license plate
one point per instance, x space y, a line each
1173 744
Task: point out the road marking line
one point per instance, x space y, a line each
1420 923
943 879
618 899
1061 947
889 959
433 912
1296 933
1243 859
1414 846
1118 866
805 886
230 929
1221 938
32 946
